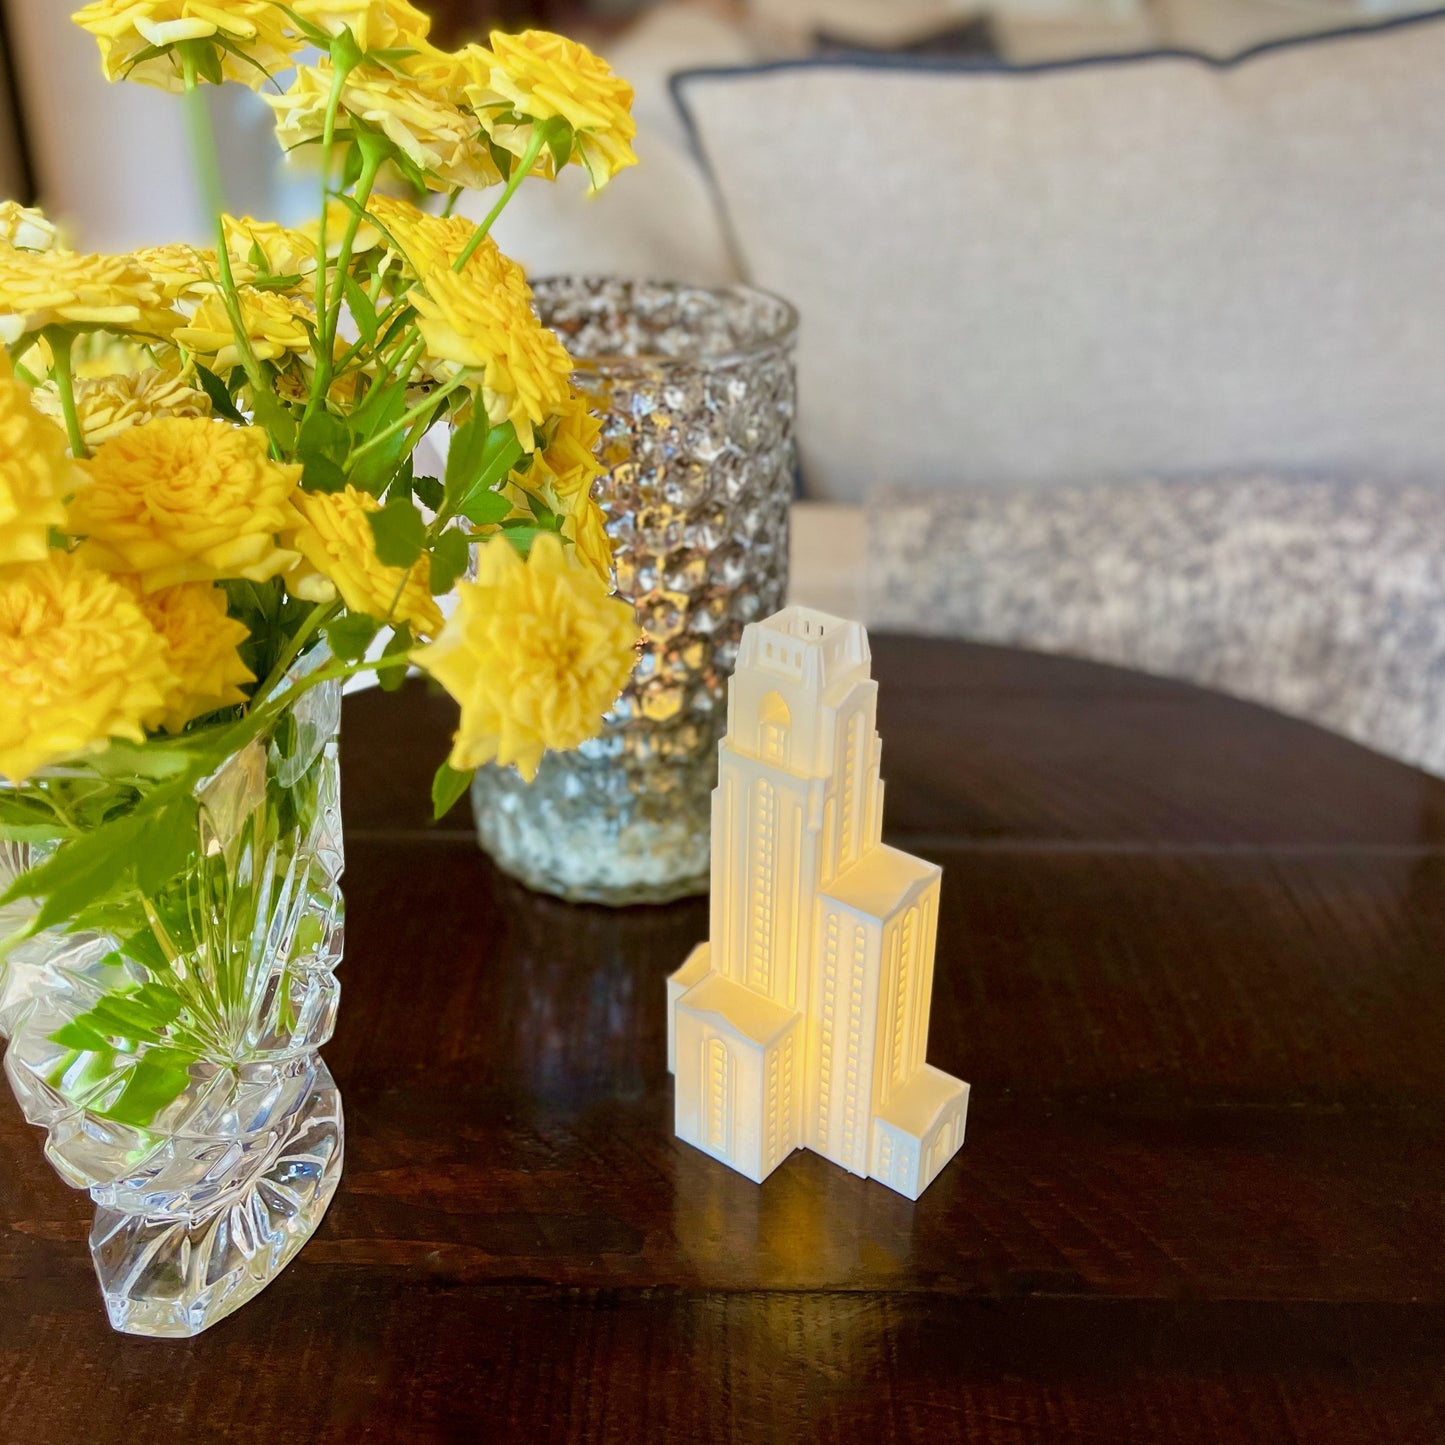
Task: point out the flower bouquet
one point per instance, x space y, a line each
210 518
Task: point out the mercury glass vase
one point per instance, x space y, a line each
167 1039
696 390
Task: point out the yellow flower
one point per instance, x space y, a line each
61 288
26 228
336 540
201 638
570 458
79 664
439 138
112 404
182 272
36 475
374 24
275 325
281 250
535 655
426 242
187 500
481 321
128 29
542 77
586 528
337 216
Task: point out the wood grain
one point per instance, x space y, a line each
1190 961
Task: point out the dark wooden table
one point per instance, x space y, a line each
1191 962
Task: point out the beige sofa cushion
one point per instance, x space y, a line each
1153 265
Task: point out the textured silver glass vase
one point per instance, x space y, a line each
167 1041
695 387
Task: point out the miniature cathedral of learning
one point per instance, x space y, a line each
803 1022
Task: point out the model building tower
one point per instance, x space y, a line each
803 1023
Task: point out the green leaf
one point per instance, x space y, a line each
88 868
276 417
166 844
221 402
447 789
522 535
487 509
323 435
449 560
363 312
466 454
390 679
321 474
478 460
159 1078
428 491
399 531
78 1036
350 636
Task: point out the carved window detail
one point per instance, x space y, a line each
718 1069
764 883
774 723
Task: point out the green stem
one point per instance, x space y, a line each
330 317
328 142
519 173
59 341
407 418
202 137
317 618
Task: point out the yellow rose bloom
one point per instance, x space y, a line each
187 500
336 540
127 29
426 242
586 528
201 638
282 250
374 24
481 321
368 238
570 458
535 655
25 227
79 664
36 475
542 76
438 137
183 272
109 405
61 288
275 326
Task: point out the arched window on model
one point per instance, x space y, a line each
774 722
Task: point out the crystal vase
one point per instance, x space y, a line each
696 391
165 1035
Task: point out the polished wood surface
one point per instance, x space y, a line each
1190 960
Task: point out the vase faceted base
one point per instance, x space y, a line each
173 1277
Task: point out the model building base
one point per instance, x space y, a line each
803 1022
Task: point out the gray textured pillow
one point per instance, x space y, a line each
1157 265
1323 599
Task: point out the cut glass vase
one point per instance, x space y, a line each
168 1041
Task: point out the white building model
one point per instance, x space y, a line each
803 1023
